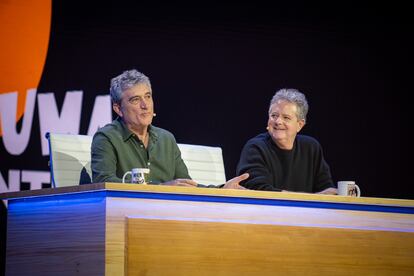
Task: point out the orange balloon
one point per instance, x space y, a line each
24 32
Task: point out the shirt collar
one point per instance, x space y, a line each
127 134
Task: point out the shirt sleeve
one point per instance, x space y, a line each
104 160
181 170
253 161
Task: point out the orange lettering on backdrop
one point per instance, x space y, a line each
24 32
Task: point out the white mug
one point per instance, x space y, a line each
137 175
348 188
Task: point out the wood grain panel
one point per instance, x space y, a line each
171 247
56 236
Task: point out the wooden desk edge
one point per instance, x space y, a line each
207 192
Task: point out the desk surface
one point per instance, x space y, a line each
217 194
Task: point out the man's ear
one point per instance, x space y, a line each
301 124
117 108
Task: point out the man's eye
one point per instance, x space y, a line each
134 100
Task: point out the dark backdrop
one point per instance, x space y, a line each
214 68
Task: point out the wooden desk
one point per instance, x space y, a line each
125 229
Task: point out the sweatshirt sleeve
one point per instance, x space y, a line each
323 178
253 161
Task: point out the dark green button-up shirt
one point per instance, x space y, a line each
116 150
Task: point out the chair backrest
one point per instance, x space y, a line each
70 159
205 164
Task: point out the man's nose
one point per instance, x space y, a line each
143 104
278 120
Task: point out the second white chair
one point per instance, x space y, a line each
205 164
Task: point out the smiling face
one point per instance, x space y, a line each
136 107
284 124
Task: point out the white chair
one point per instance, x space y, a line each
205 164
70 159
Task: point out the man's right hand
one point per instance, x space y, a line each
181 182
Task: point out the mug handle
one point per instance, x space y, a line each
358 190
129 172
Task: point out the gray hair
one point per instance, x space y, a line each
125 81
293 96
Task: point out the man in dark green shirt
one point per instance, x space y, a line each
130 141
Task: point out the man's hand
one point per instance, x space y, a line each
181 182
234 182
329 191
